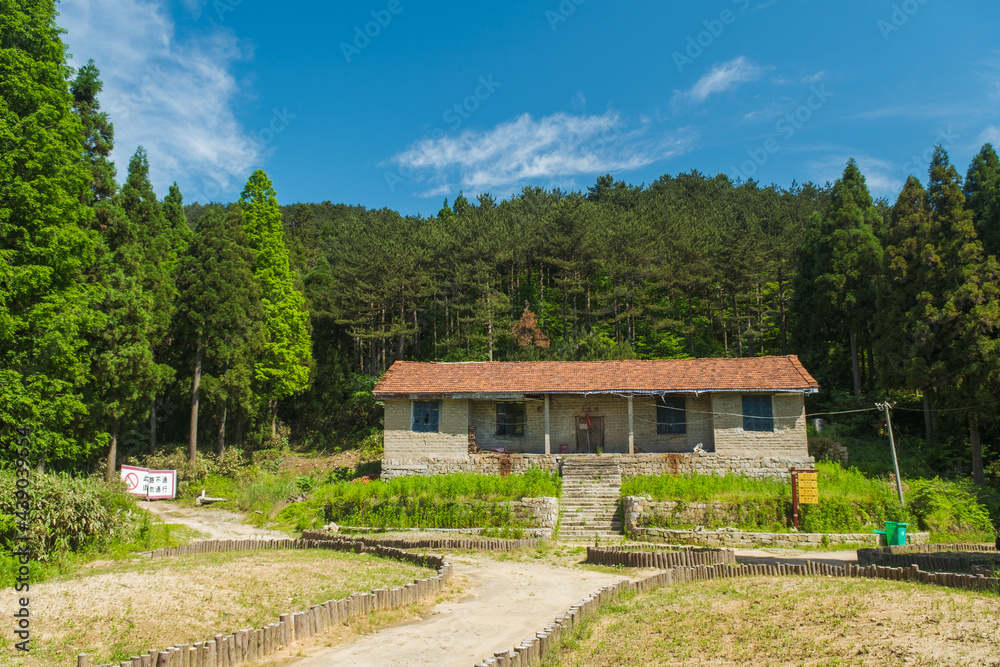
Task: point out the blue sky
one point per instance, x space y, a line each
401 103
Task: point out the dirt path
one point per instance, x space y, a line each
502 603
215 522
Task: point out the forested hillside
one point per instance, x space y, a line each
130 322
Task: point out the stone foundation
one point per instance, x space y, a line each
732 538
541 513
631 465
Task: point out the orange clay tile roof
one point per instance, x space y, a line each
752 374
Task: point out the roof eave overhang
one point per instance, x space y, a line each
381 396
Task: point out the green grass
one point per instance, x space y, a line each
151 534
850 502
261 496
462 500
786 621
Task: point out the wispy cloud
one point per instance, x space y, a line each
991 77
881 176
991 135
720 79
551 149
174 97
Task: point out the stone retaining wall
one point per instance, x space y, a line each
541 513
470 544
631 465
729 537
545 643
635 509
244 646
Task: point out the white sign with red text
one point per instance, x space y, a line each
150 484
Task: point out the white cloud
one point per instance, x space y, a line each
881 176
174 97
991 77
720 79
991 135
554 148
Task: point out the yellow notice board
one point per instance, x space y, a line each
808 488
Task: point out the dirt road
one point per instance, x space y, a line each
215 522
502 603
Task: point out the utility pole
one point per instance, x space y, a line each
886 407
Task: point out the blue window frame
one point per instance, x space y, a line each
671 417
757 415
426 416
510 419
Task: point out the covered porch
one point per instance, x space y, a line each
590 423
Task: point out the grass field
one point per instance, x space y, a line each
850 502
113 610
791 621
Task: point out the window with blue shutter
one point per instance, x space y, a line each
757 414
426 416
670 416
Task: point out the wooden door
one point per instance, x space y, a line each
590 438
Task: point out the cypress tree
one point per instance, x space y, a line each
220 311
982 193
284 368
939 315
48 300
99 133
835 294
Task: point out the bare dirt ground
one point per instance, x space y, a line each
114 609
794 621
497 605
215 522
494 603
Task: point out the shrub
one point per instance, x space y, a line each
68 514
950 507
233 464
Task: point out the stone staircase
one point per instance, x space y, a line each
590 486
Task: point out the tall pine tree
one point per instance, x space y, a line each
220 315
982 194
835 296
48 300
284 368
939 317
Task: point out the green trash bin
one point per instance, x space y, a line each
895 533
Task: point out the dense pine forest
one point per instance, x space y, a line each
131 321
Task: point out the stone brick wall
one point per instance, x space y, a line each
699 426
732 538
740 539
787 439
484 418
639 510
487 463
403 444
757 467
540 513
492 463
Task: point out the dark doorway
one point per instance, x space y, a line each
590 434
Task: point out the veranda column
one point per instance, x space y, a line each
631 431
548 440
